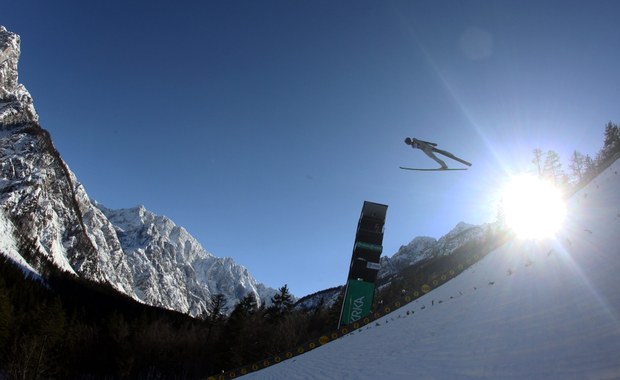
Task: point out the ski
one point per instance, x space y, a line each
431 170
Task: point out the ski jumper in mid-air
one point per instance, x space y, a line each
430 150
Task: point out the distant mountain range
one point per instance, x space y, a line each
423 248
47 220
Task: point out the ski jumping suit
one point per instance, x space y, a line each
429 148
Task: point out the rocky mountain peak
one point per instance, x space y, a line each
460 228
9 56
15 101
423 248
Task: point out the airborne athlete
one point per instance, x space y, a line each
429 149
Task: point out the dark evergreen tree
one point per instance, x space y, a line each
611 144
215 315
216 309
239 339
282 304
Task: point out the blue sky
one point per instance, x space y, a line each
262 126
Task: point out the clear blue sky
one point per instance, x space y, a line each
262 126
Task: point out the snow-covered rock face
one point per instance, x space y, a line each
171 269
15 101
39 196
324 299
418 249
9 56
47 218
423 248
461 234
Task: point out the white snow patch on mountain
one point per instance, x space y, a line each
8 247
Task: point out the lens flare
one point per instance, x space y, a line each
533 208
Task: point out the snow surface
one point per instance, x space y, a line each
8 247
529 310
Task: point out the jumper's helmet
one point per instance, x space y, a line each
408 141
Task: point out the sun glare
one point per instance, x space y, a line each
533 208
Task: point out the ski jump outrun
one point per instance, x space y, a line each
430 149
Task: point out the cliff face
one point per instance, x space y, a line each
49 220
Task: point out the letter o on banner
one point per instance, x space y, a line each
426 288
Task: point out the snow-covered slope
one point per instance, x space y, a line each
528 310
47 220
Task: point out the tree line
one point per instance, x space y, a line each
66 327
582 167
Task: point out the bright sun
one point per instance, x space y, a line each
532 207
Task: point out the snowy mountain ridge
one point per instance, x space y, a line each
48 220
424 247
154 245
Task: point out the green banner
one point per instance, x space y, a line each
368 246
357 302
